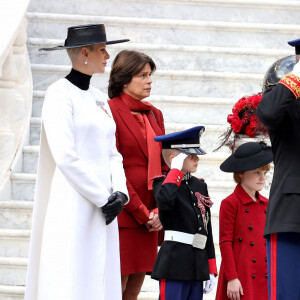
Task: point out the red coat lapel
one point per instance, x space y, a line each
118 106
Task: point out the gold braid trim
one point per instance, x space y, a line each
292 82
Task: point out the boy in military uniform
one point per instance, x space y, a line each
187 255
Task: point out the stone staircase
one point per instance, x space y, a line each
208 55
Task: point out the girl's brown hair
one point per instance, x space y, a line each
125 65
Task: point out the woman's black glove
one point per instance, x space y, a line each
114 206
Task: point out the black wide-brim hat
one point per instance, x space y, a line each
85 35
248 156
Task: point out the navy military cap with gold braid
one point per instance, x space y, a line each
187 141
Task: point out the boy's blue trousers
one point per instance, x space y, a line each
180 290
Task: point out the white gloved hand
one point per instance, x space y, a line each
296 70
177 161
209 284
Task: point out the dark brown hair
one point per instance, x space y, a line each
125 65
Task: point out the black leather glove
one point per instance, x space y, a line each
114 206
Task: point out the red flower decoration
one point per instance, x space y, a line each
235 122
243 119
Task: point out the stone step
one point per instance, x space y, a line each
208 165
23 186
10 292
210 140
13 270
15 214
219 10
174 57
37 103
168 82
30 159
169 31
14 242
176 109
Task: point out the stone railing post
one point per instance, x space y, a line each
15 98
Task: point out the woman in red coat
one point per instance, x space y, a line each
137 124
243 269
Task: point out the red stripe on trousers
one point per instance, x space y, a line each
162 289
273 265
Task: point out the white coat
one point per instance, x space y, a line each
73 254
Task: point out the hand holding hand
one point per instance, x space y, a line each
234 289
296 70
114 206
177 161
154 223
209 284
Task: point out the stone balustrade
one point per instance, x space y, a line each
15 89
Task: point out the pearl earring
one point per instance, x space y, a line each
86 62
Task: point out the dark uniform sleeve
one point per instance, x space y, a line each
211 248
165 190
273 106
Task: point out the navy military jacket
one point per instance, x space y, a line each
179 211
279 110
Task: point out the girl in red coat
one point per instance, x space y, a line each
137 124
243 272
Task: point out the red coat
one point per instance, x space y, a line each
242 245
138 246
133 147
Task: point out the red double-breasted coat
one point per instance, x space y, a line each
138 246
242 245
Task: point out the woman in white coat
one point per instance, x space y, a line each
81 186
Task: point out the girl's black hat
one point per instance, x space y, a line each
248 156
85 35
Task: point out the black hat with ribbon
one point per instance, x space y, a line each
85 35
248 156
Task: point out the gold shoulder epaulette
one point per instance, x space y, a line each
292 82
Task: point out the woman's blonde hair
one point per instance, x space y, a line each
237 175
74 52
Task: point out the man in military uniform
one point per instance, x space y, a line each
187 255
279 110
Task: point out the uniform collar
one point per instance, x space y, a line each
245 198
187 176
